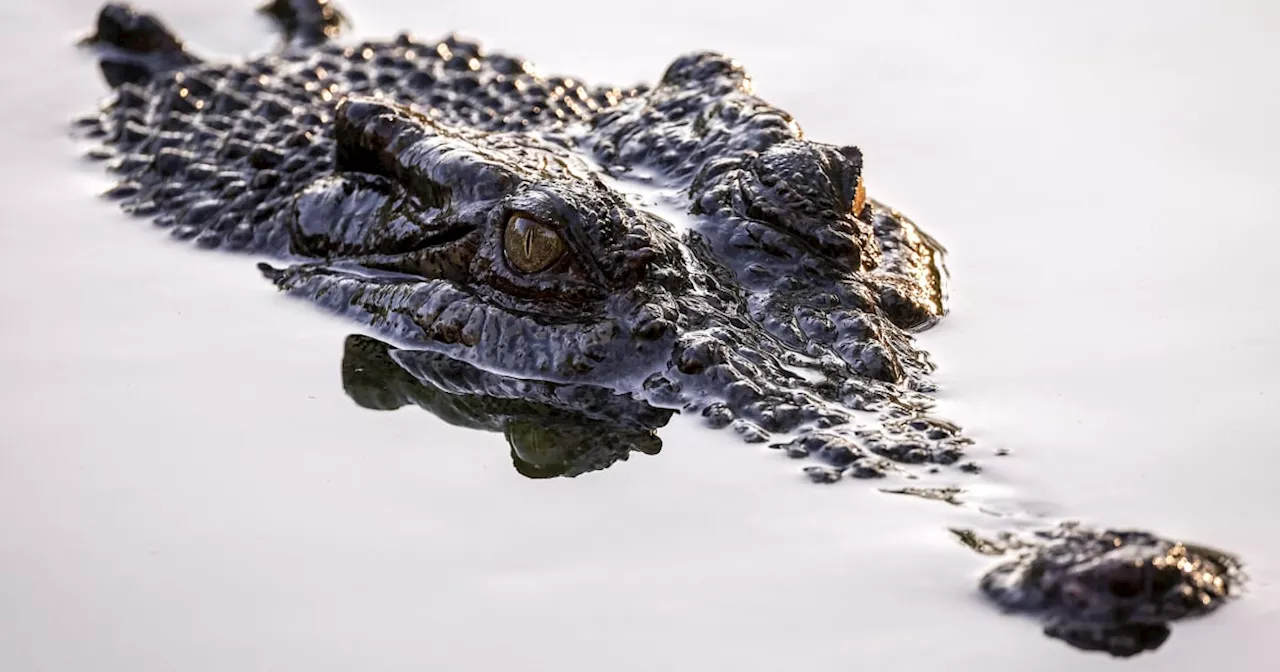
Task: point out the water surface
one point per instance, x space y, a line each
184 484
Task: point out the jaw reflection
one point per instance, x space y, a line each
553 429
1121 640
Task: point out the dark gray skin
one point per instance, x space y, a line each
506 231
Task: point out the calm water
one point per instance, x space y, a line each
184 484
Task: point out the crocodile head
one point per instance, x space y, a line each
688 242
501 249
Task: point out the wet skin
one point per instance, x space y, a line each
538 248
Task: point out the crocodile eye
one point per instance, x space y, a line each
530 245
859 198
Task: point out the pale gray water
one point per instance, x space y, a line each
184 485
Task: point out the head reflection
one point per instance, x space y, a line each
553 429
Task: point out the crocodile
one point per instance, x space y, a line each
570 264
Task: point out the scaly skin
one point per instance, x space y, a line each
509 231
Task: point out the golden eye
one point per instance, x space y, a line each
530 245
859 198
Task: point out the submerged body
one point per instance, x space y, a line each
509 227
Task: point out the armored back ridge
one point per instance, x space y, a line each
570 264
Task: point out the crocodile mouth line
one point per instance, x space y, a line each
444 255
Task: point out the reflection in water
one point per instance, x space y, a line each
553 429
1096 590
